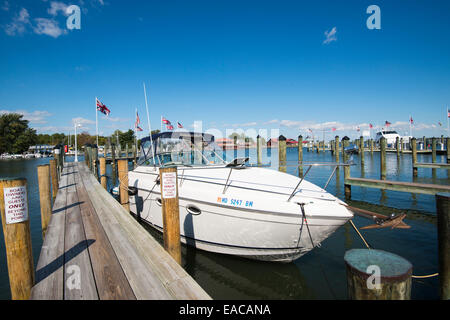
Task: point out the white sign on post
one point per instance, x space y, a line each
16 209
169 185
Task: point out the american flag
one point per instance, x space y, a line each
387 123
179 125
138 121
411 120
169 127
165 121
370 126
333 129
448 113
102 108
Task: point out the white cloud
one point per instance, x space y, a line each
56 6
18 24
48 27
37 116
330 36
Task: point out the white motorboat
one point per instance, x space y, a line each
231 208
390 135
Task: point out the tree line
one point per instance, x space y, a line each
16 136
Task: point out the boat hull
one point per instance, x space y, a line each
257 223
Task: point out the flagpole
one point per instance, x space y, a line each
149 126
96 119
410 125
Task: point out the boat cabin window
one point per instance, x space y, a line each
180 151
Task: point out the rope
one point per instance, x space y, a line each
369 247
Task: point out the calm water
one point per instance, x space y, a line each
320 274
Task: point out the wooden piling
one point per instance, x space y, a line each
103 179
54 176
95 161
448 149
171 213
361 149
402 149
443 228
371 146
347 187
282 153
433 150
16 232
300 155
122 167
414 156
336 149
383 158
377 275
113 164
45 197
259 150
397 146
56 156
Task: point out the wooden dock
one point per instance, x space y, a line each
94 249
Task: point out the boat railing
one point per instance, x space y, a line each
318 164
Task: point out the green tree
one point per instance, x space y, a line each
15 136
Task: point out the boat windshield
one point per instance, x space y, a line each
187 149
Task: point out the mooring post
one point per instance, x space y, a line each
383 158
300 155
122 166
259 150
103 179
16 232
361 149
433 150
113 164
171 212
402 149
414 156
371 146
235 146
95 161
347 187
45 198
54 176
377 275
448 149
56 156
443 228
397 146
336 149
282 153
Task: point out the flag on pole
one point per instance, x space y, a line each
357 129
179 125
102 108
138 121
169 127
165 121
333 129
387 123
448 113
370 126
411 120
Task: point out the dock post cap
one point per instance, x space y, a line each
282 138
393 267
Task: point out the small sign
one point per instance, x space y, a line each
169 185
16 209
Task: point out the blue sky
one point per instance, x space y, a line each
231 64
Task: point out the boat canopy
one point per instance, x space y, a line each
180 148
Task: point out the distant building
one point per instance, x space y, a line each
289 142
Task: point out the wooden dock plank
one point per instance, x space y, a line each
175 279
145 284
110 279
411 187
432 165
49 270
78 274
